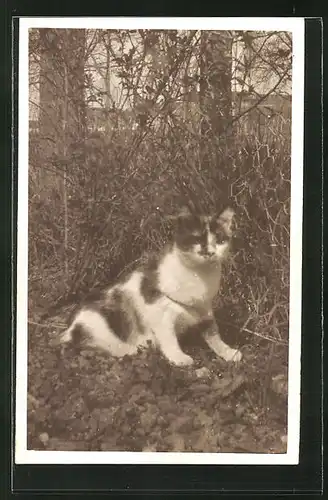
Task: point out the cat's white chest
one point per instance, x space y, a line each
187 285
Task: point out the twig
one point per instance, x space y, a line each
46 325
261 99
271 339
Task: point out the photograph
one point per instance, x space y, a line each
159 240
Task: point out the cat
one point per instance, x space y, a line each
158 301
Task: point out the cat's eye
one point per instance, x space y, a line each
194 238
221 239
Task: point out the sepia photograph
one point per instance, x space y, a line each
160 180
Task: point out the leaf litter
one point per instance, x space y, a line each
86 400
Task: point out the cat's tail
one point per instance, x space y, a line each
89 329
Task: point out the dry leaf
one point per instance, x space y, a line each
227 385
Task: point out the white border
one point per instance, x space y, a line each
24 456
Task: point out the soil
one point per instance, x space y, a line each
87 400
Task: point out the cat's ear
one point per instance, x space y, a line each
226 219
184 212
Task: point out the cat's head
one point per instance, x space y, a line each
203 238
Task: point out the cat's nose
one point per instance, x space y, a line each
210 253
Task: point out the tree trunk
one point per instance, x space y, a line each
215 96
62 119
62 59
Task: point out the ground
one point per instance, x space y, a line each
86 400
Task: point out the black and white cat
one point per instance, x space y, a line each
157 302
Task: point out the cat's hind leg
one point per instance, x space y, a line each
91 328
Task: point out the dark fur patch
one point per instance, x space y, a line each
216 227
131 311
116 316
138 321
194 330
186 240
149 281
78 334
205 324
190 230
193 230
149 288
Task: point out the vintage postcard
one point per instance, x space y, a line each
159 257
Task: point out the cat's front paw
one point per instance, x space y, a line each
233 355
182 360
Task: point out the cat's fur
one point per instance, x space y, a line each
156 303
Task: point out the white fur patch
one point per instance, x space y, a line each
189 283
100 334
